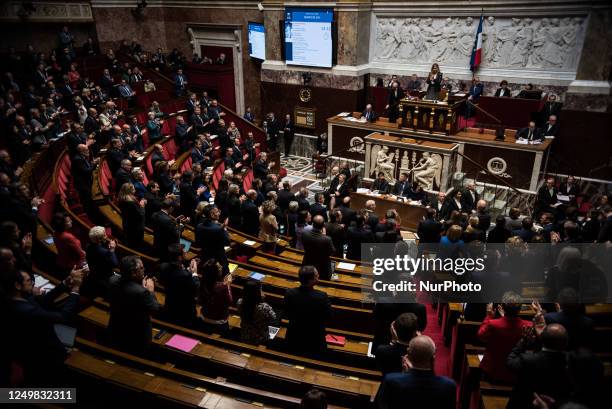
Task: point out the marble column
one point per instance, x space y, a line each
591 89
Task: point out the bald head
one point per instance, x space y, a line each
481 205
83 149
370 204
421 352
554 337
252 194
318 222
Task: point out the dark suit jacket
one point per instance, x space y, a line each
250 218
181 291
101 262
212 238
416 389
288 129
338 235
307 310
114 158
545 199
389 357
484 220
468 202
579 328
165 232
355 237
82 171
499 91
318 209
131 306
535 135
260 169
32 341
387 311
122 176
395 97
443 209
551 108
543 372
284 198
553 131
369 116
318 248
401 189
380 185
429 231
133 218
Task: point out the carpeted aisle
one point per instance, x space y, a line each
433 330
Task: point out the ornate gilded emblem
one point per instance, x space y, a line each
305 94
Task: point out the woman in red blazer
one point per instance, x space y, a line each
69 250
501 335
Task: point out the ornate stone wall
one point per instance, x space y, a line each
512 43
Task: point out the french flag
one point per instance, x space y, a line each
477 50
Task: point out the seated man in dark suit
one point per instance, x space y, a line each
318 248
531 133
380 183
132 300
32 341
550 128
542 371
402 186
413 84
551 107
307 310
389 357
369 114
418 387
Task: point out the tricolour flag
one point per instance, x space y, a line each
477 50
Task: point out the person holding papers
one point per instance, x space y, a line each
369 113
530 134
547 197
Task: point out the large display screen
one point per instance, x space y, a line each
257 41
308 36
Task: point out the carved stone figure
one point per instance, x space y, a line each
383 162
542 42
428 170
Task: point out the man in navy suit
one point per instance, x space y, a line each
402 186
474 93
212 237
418 386
369 113
180 83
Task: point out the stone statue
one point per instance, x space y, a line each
383 162
428 170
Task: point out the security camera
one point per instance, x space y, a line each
260 7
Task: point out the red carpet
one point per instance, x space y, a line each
433 330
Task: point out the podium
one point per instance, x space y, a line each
436 117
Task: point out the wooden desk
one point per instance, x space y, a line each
410 215
512 112
429 116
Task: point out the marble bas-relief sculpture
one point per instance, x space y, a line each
544 43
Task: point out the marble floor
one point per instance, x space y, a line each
300 173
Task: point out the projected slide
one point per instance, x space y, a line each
257 41
308 37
